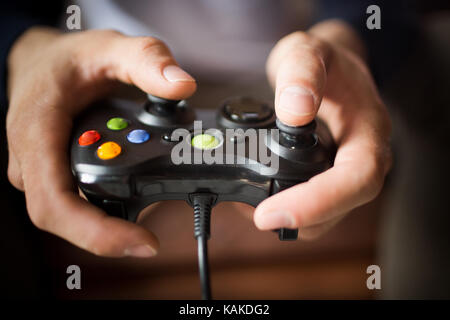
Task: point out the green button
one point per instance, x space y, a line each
205 141
117 124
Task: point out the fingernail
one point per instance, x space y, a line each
274 220
297 101
140 251
175 74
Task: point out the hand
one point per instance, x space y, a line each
323 68
52 77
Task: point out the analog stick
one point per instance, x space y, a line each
161 112
160 106
297 137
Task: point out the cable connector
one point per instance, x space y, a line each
202 204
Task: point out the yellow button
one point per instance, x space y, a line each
108 150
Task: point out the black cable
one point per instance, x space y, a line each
202 204
203 267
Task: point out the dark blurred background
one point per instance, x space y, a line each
404 231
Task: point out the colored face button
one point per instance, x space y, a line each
117 124
138 136
205 141
108 150
88 138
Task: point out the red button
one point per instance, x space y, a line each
88 138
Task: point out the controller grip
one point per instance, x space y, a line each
284 234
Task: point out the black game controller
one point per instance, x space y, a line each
126 155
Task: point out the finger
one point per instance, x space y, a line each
297 69
54 206
142 61
356 178
308 233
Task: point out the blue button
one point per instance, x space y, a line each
138 136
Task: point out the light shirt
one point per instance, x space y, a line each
209 38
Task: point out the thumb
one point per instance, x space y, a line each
297 69
145 62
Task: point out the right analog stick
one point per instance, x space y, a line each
297 137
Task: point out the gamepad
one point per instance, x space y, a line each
126 155
121 154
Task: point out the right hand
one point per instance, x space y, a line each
52 77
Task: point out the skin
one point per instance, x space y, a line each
53 76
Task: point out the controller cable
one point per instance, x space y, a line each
202 204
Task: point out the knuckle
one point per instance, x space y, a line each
315 56
14 177
299 46
298 37
323 47
80 46
86 42
94 247
310 47
311 60
39 209
286 43
38 217
373 177
306 40
111 33
150 44
102 34
98 241
96 244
